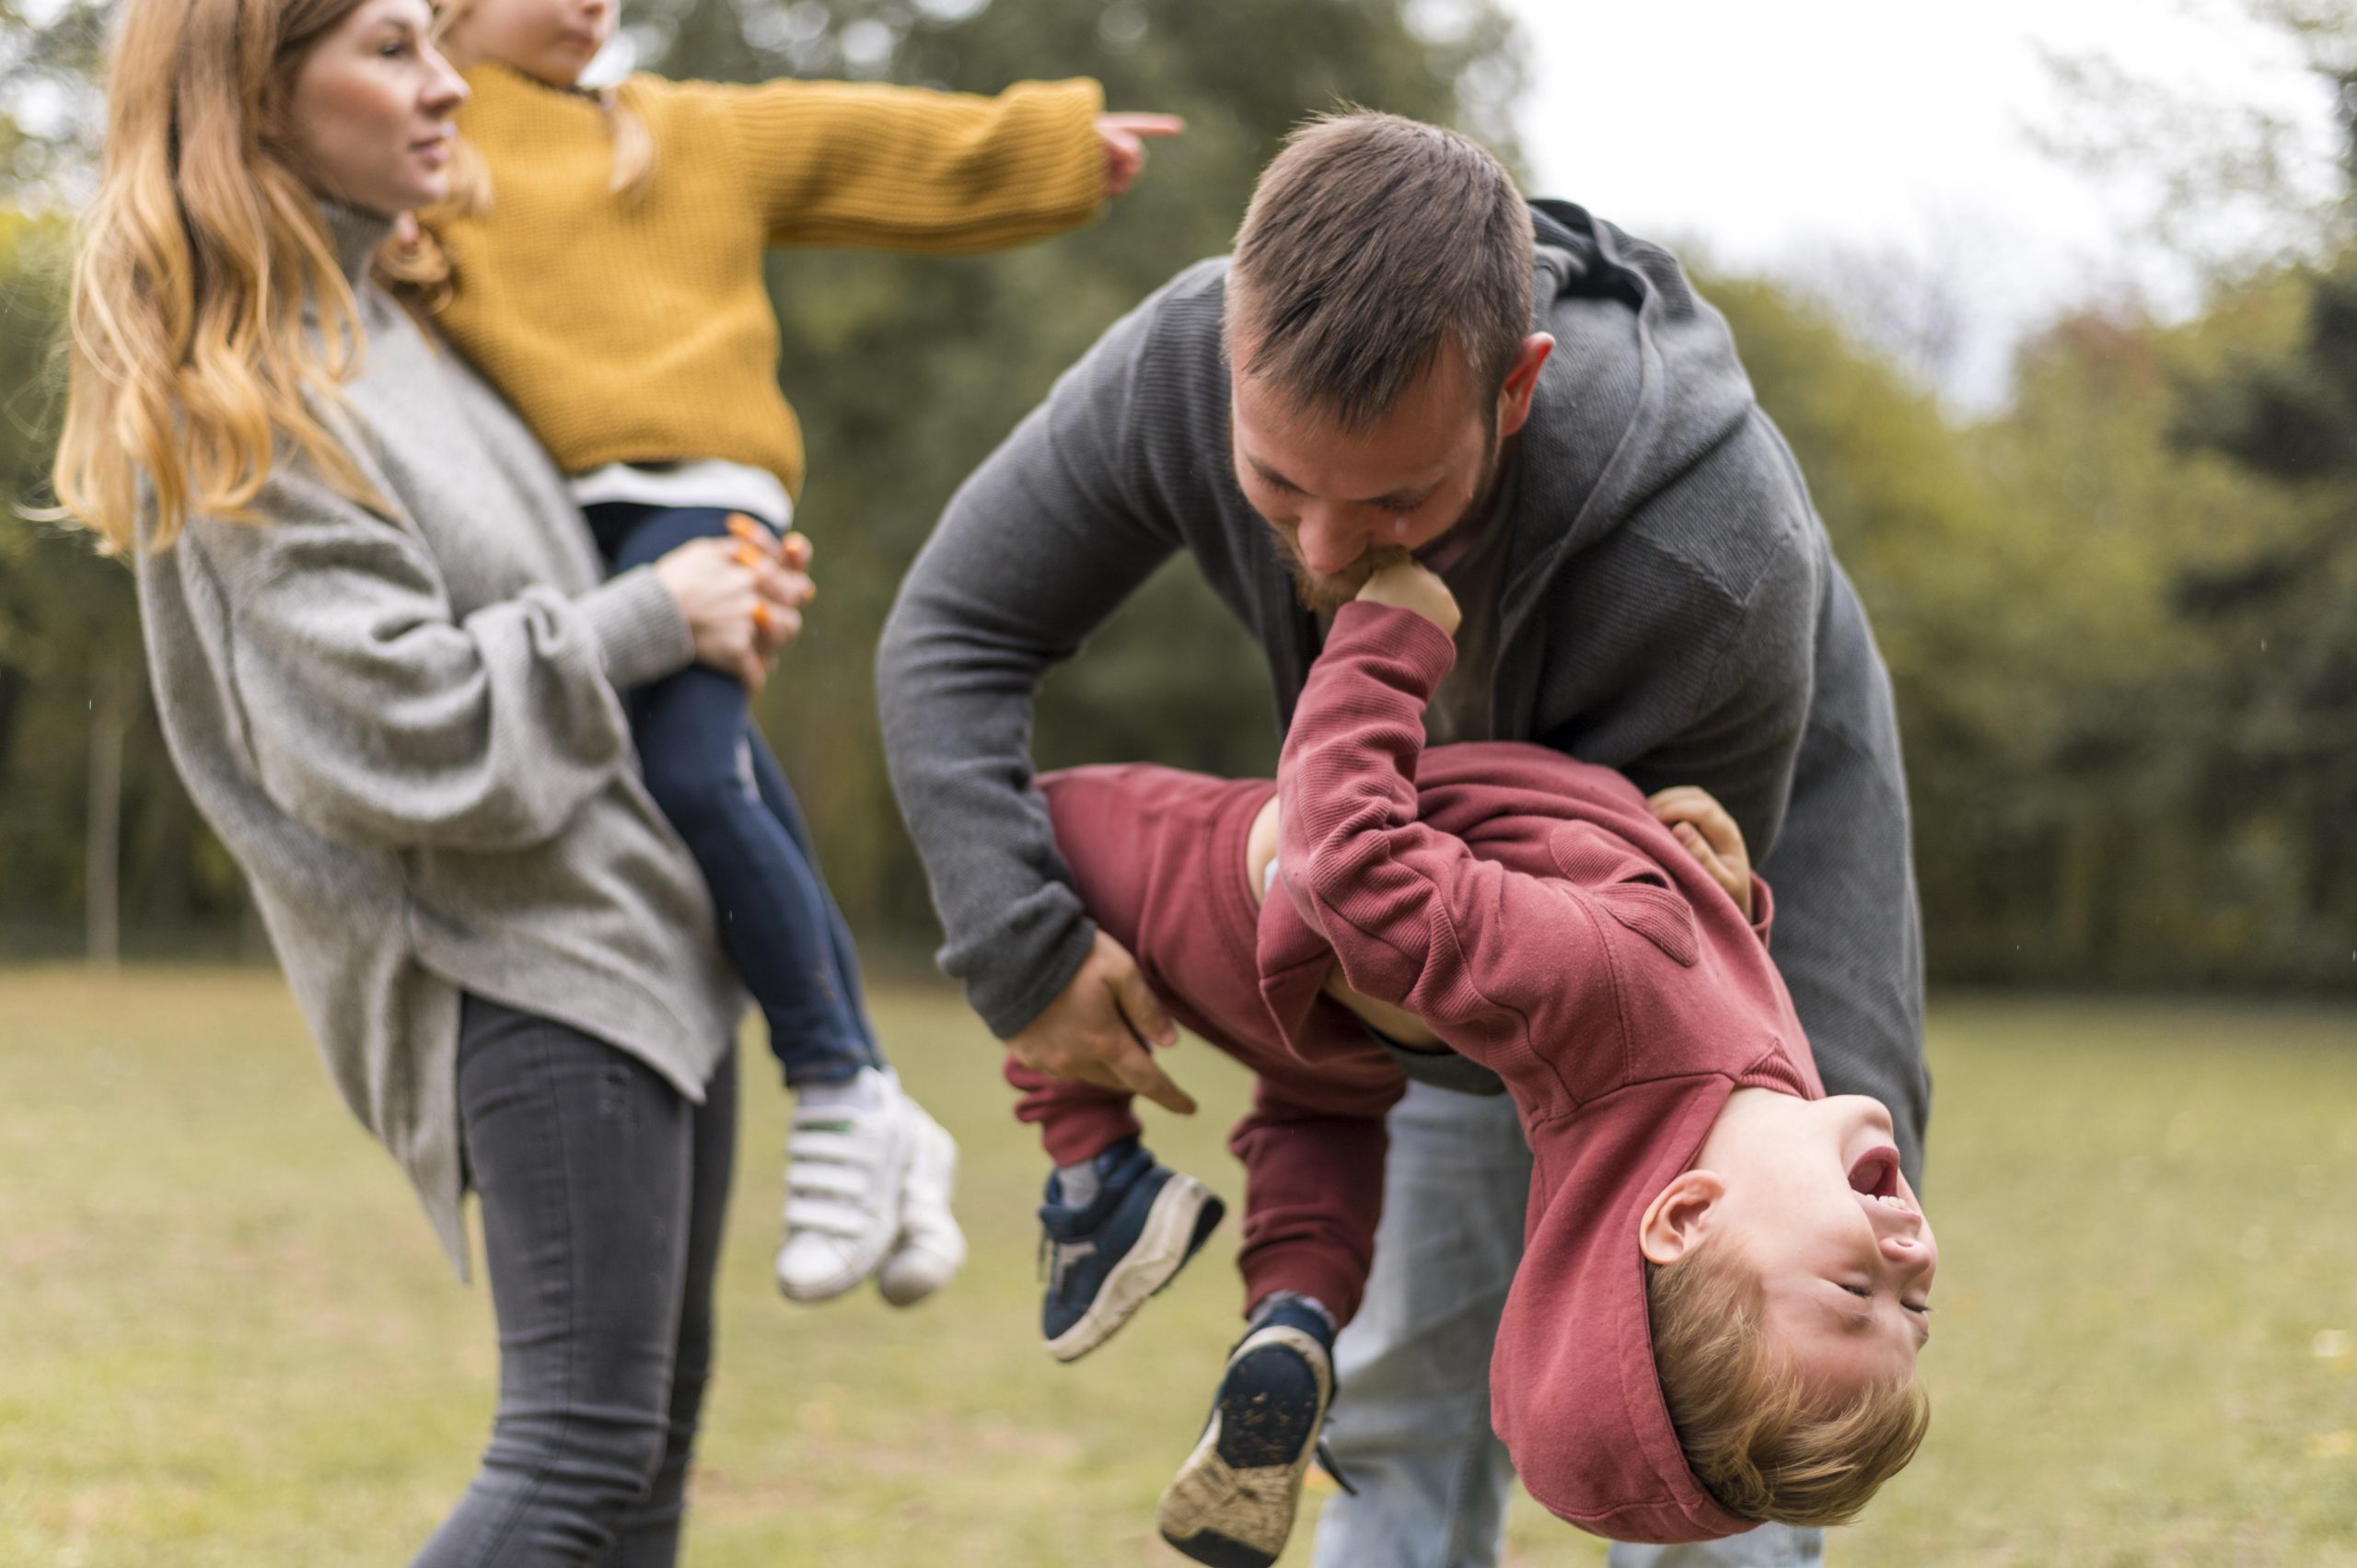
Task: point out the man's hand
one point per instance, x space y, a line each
1124 139
1710 835
1410 586
1097 1030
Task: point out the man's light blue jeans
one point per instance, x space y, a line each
1410 1425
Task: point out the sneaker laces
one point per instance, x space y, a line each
1326 1461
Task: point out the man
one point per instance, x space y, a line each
1403 354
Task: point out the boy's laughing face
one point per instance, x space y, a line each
1811 1194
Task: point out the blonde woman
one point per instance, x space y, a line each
391 676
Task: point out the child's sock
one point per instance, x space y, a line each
864 1091
1076 1184
1295 1309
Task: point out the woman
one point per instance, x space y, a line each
389 672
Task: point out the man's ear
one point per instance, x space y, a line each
1513 397
1680 1218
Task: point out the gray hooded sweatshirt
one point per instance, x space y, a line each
1669 607
407 728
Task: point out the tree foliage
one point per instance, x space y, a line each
2120 612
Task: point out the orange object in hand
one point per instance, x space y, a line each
762 614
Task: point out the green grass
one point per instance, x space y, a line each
225 1337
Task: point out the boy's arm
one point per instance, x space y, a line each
842 163
1495 962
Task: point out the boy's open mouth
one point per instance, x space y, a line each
1877 1175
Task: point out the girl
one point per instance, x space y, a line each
391 677
604 271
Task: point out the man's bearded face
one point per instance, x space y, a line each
1344 503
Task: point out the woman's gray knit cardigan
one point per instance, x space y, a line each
407 729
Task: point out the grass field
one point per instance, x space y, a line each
225 1337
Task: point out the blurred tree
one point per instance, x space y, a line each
2283 610
95 824
2228 183
50 58
2120 612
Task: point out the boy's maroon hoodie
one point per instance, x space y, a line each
1539 920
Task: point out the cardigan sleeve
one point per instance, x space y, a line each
843 163
374 713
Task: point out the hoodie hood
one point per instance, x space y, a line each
1642 381
1573 1392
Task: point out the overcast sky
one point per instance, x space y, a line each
1773 133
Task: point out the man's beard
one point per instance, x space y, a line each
1323 593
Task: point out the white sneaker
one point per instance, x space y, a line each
846 1160
930 1249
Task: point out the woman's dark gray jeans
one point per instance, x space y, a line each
603 1193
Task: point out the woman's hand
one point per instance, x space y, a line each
742 597
1710 835
1124 138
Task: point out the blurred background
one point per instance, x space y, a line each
2056 300
2054 308
2052 301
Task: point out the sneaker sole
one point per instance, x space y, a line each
1222 1507
1185 1214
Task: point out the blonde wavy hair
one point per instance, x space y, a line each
1753 1436
189 364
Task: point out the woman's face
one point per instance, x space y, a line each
371 110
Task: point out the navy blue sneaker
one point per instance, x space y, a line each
1232 1504
1104 1258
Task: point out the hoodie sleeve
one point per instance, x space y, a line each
1495 962
1036 549
372 712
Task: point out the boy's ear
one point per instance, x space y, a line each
1679 1218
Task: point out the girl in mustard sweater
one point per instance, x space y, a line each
604 272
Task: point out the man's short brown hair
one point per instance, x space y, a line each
1371 241
1752 1435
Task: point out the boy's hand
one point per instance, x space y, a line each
1124 138
1407 584
1710 835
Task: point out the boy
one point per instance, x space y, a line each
1724 1279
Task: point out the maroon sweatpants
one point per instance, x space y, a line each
1158 857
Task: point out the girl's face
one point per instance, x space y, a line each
553 40
369 119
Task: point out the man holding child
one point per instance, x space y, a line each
1405 355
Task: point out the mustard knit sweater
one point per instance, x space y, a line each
637 330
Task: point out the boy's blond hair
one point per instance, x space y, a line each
1751 1434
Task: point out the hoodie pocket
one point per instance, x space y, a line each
1630 888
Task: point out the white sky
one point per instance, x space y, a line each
1772 133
